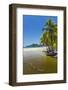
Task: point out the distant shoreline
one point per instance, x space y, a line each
35 48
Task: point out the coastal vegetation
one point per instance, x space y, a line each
49 37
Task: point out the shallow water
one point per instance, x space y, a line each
37 62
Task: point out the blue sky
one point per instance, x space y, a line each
32 28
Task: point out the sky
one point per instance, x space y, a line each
32 28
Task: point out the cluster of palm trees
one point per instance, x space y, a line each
49 35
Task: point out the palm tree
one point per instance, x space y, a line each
55 37
49 36
44 40
49 28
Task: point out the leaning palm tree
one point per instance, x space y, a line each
55 37
50 35
49 28
45 40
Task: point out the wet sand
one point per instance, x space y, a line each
35 61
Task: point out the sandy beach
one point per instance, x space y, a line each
35 49
35 61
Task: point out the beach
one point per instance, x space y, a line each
35 61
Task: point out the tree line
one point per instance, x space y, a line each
49 35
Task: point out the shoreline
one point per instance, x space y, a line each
35 49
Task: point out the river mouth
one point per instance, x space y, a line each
37 62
